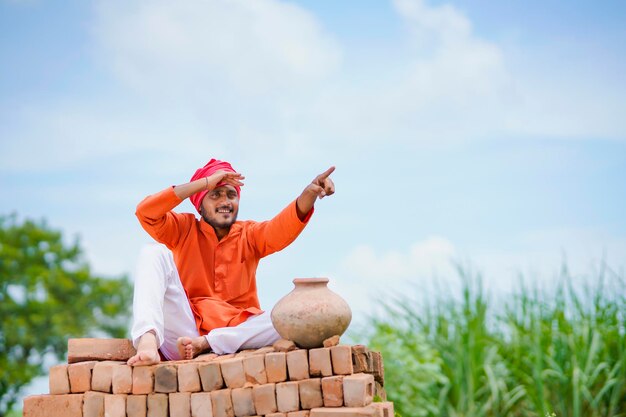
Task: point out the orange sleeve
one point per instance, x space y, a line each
276 234
157 218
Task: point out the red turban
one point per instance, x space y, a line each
206 171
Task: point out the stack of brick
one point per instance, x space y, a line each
274 381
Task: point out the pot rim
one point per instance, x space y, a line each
310 280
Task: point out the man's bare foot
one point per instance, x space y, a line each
147 351
190 348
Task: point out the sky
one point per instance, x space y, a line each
484 134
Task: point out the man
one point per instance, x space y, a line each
197 291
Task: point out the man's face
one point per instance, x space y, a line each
220 207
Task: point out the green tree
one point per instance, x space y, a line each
47 295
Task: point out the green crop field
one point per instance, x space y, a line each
537 352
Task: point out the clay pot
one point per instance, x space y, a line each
311 313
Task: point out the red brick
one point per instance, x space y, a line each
210 376
69 405
222 403
158 405
343 412
143 379
276 366
358 390
264 350
80 350
361 361
165 378
233 373
264 397
284 345
319 362
80 376
379 391
180 404
93 404
59 381
206 357
115 405
341 357
136 405
377 367
298 365
331 341
254 368
384 409
201 405
276 415
332 391
101 376
301 413
122 379
188 377
310 391
243 404
287 397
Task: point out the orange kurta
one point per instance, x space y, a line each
219 277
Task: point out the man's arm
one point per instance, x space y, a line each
209 183
274 235
320 187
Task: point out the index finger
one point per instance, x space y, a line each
326 173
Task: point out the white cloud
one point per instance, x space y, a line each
203 47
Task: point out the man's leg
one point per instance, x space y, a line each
256 332
161 312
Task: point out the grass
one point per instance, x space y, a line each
539 352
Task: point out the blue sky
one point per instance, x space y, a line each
464 131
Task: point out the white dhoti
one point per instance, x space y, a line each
161 305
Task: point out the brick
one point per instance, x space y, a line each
244 353
165 378
136 405
301 413
377 367
384 409
222 403
287 397
80 376
81 350
59 381
188 377
243 403
233 373
143 379
205 357
343 412
310 391
298 365
379 391
180 404
331 341
115 405
264 397
264 350
341 357
122 379
358 390
276 366
361 361
210 376
158 405
332 391
201 405
254 368
276 415
93 404
284 345
101 376
319 362
68 405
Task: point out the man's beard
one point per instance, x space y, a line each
219 224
